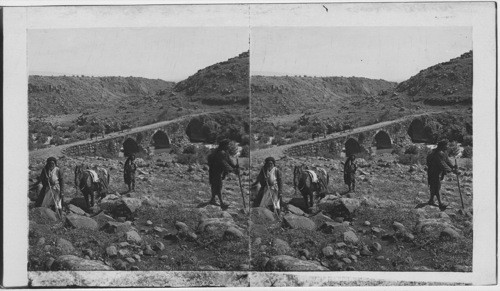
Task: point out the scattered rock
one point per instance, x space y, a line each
49 262
76 209
305 253
148 251
261 215
298 222
376 247
350 237
117 227
449 233
339 207
365 252
119 264
65 246
158 246
78 221
111 251
232 233
398 227
280 246
133 237
257 241
74 263
288 263
367 223
328 251
295 210
48 214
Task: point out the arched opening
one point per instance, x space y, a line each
130 147
160 140
194 131
352 147
383 140
416 131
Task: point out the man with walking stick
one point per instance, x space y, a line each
438 165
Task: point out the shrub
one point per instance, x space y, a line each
468 164
411 150
245 140
397 150
467 152
190 149
245 152
467 140
264 138
278 141
408 159
453 149
57 140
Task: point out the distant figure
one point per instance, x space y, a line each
51 193
271 186
129 172
438 165
219 165
350 168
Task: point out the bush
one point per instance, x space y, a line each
467 152
278 141
245 140
57 140
468 164
453 149
467 140
411 150
245 152
199 156
397 150
190 149
408 159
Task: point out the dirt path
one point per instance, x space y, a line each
278 152
57 150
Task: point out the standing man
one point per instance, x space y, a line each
438 164
129 172
270 183
350 172
219 165
51 178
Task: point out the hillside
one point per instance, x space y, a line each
445 83
288 95
55 95
222 83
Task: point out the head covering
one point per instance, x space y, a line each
442 144
270 159
224 143
51 159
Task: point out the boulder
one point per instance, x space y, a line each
298 202
339 207
288 263
78 221
48 214
78 202
295 210
74 263
232 233
159 246
76 209
66 247
280 246
333 227
117 227
298 222
350 237
133 237
261 215
102 219
327 251
111 251
319 219
449 233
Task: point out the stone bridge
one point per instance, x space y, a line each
179 131
361 140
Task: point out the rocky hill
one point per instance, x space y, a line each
55 95
445 83
222 83
287 95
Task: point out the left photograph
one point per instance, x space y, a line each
138 148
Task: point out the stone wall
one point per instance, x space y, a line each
176 133
398 133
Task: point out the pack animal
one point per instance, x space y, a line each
303 180
89 186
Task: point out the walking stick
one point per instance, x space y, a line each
458 183
241 187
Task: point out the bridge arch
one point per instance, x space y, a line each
382 140
160 140
352 146
130 146
417 132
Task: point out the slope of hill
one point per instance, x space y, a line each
73 94
445 83
287 95
222 83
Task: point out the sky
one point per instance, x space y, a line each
171 54
389 53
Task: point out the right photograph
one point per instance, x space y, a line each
361 148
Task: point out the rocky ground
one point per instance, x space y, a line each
376 228
165 224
